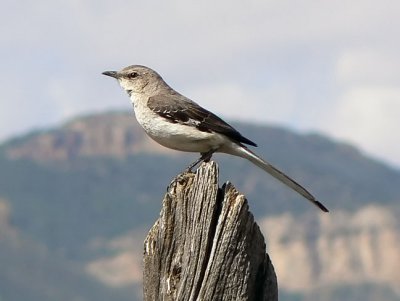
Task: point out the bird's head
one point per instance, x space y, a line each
138 79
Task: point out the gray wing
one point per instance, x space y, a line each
176 108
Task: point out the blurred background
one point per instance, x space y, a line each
315 84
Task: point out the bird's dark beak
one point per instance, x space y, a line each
111 73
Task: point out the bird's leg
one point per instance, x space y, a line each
204 157
207 156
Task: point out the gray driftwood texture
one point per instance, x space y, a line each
206 245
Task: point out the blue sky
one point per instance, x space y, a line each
327 66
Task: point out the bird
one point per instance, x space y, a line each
179 123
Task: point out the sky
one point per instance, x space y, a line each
331 67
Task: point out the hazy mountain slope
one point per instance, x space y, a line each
312 252
99 177
108 170
30 272
336 172
327 256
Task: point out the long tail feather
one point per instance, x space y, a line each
244 152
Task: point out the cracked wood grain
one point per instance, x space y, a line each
205 245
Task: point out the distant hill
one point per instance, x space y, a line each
338 173
99 176
30 272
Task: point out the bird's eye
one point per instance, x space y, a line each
133 75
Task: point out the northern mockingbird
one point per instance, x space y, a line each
177 122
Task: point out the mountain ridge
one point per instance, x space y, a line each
98 177
128 135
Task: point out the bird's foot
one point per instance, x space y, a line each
205 157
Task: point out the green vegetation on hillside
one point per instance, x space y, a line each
64 204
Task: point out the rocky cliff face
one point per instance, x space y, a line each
338 248
115 135
4 217
308 252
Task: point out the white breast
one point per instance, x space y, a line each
174 135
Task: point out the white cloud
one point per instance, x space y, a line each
368 66
370 117
367 108
290 62
233 101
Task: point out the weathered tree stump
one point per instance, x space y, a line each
206 245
